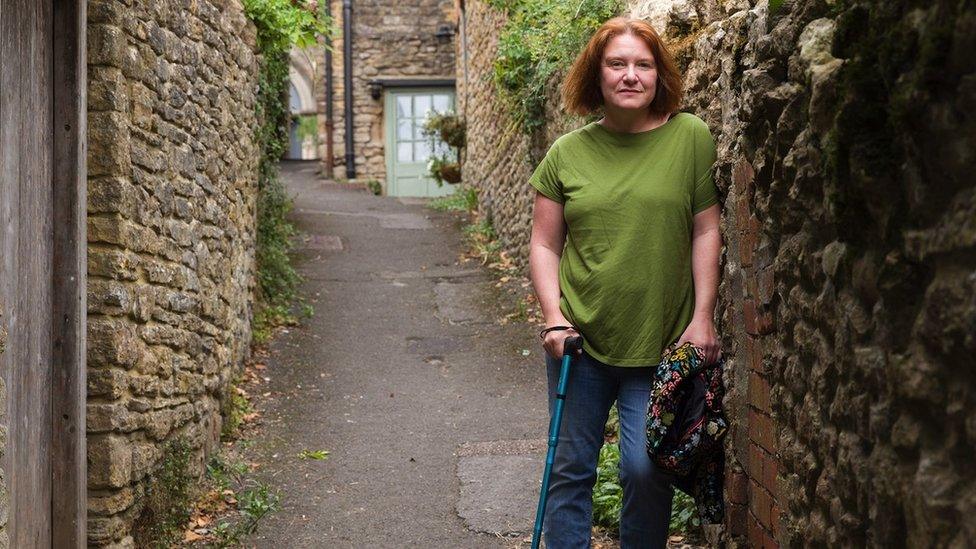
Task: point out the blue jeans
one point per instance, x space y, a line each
593 387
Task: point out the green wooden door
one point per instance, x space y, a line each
407 150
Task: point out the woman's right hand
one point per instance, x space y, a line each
555 340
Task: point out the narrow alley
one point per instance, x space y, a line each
425 402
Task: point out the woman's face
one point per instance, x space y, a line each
628 73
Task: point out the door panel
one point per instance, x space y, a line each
407 149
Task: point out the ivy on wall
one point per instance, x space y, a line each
540 40
281 24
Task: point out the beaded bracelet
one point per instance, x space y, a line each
542 334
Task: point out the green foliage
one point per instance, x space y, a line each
447 126
308 126
233 409
774 6
318 455
483 241
222 472
374 187
168 499
445 133
607 493
267 317
255 500
540 40
281 24
684 514
444 168
611 431
463 199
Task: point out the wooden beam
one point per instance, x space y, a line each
68 472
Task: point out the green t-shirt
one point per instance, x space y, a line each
628 201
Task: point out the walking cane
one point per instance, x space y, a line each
570 346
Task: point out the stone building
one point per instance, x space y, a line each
398 58
848 298
172 191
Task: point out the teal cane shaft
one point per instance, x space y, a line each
557 416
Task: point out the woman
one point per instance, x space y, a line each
624 249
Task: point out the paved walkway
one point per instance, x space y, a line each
434 419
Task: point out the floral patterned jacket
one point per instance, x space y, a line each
686 424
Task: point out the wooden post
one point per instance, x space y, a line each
68 449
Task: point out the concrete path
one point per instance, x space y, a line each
434 418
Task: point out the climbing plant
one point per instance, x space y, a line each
541 39
281 24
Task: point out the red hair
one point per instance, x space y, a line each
581 87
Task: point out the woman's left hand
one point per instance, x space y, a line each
701 333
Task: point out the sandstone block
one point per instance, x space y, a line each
109 461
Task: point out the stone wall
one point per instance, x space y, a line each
499 157
848 289
848 296
390 40
497 152
172 172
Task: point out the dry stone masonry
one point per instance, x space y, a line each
848 296
499 156
172 203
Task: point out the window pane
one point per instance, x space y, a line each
404 129
404 151
403 106
423 105
442 103
422 151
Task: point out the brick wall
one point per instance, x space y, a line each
390 40
171 216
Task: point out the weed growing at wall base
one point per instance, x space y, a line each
167 503
463 199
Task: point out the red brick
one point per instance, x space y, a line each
761 430
736 487
770 468
764 323
737 516
761 504
754 463
748 239
749 316
765 286
755 351
777 525
752 285
755 532
759 392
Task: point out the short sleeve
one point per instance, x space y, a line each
545 178
705 193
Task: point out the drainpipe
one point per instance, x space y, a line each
329 98
347 80
464 56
